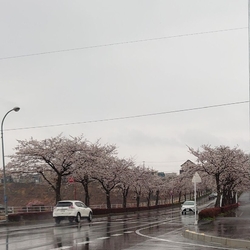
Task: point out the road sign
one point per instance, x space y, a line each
196 178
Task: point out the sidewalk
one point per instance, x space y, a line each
231 231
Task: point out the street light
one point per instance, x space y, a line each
16 109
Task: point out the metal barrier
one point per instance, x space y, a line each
15 210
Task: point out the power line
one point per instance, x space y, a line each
133 116
119 43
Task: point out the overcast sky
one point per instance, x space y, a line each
74 67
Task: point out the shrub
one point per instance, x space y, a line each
215 211
209 213
228 208
30 216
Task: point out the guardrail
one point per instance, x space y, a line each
24 209
16 210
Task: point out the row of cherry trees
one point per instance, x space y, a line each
59 158
222 169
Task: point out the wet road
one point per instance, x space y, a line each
235 225
161 229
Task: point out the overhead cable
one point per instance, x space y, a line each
118 43
132 116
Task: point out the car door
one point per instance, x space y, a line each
83 209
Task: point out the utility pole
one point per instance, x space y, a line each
249 73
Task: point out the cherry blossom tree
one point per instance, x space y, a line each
108 175
228 167
181 184
138 185
146 183
53 158
126 179
166 188
88 164
187 172
151 185
160 189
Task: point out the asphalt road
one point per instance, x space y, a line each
235 225
158 230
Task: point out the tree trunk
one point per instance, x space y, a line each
108 199
58 188
217 179
124 201
157 197
86 190
137 201
148 198
180 196
124 197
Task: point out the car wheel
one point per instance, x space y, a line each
57 220
90 217
71 219
78 218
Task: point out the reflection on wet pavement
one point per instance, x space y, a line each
233 225
154 229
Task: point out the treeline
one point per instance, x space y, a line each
222 169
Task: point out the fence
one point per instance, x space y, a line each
16 210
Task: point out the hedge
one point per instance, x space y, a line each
215 211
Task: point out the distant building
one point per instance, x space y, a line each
187 164
29 177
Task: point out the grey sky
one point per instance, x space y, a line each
137 57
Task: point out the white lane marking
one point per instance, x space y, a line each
103 238
61 248
176 242
98 222
115 235
84 242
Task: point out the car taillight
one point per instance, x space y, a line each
72 207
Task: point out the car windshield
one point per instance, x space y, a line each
64 204
188 203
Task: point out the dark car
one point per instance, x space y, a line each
212 196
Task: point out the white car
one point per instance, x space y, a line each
188 206
73 210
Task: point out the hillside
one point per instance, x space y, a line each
20 194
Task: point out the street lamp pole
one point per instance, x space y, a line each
16 109
196 179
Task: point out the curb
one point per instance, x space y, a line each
214 239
